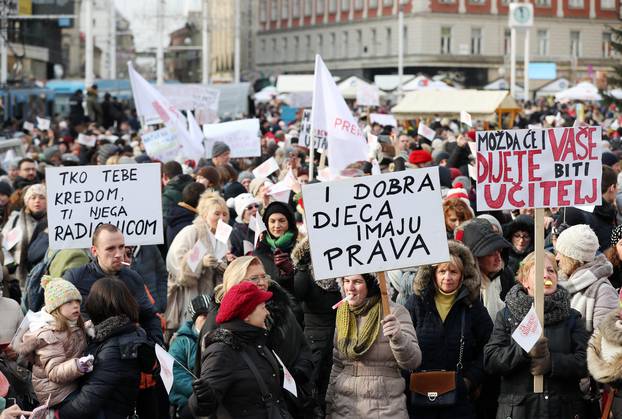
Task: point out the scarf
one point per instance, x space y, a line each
353 342
490 291
282 242
556 305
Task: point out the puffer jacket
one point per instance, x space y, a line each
567 340
372 386
591 293
53 354
226 379
183 348
122 351
440 340
183 283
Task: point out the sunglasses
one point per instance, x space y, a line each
251 206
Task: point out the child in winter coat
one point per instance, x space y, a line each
55 342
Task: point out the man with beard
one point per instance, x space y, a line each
27 174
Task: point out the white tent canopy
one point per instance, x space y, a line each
480 104
390 82
349 87
582 91
553 87
502 84
423 83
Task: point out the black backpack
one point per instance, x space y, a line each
33 294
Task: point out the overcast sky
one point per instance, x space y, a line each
142 17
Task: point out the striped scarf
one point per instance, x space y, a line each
352 341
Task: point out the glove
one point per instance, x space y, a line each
541 365
540 349
283 261
85 364
210 261
391 326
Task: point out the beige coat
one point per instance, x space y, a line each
373 387
183 283
53 353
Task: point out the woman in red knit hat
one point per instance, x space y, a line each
239 373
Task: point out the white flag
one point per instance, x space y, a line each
149 100
426 131
166 361
256 224
465 118
43 123
330 114
528 331
196 133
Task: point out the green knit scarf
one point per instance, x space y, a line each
281 242
354 342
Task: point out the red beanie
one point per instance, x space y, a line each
240 301
419 157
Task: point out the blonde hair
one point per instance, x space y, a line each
530 261
235 273
209 200
453 260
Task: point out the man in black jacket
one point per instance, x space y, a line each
109 251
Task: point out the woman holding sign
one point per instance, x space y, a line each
196 260
365 381
453 326
560 355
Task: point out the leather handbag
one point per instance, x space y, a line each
437 388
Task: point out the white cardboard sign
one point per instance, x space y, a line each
81 198
195 257
528 331
554 167
266 168
375 223
241 136
367 95
161 145
87 140
426 131
383 119
43 123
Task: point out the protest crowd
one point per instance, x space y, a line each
226 314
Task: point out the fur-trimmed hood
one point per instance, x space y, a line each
424 281
604 353
301 254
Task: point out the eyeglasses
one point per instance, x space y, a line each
519 236
257 278
251 206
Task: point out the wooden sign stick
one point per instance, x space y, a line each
538 380
386 310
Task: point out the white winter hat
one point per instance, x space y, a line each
578 242
240 202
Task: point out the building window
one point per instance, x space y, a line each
373 4
345 43
296 48
575 4
476 41
479 2
275 50
608 4
607 50
359 42
505 2
358 4
274 10
308 7
543 3
332 6
345 5
543 42
333 43
575 43
374 40
387 3
263 9
445 40
296 8
320 44
285 52
308 49
319 7
284 9
446 1
507 40
263 47
389 42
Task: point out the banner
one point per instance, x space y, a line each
150 102
191 96
161 145
556 167
367 95
332 116
375 223
304 138
241 136
81 198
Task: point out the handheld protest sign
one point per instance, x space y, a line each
83 197
538 168
375 223
538 380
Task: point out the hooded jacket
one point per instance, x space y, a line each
172 194
178 217
604 353
440 340
183 348
521 223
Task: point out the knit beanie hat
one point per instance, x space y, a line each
32 190
616 235
240 203
277 207
50 152
58 292
105 151
245 175
219 148
578 242
419 157
256 185
240 301
5 189
199 305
